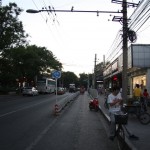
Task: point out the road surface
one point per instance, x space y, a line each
29 123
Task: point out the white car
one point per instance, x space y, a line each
30 91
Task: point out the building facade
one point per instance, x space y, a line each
138 71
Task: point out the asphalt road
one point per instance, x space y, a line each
29 123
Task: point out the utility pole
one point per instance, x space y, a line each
94 79
0 22
125 51
124 20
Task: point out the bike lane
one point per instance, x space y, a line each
76 128
134 127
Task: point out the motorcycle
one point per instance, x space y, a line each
94 104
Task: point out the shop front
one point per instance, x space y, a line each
138 77
141 80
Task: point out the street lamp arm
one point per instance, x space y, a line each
85 11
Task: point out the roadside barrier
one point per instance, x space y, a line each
61 104
56 109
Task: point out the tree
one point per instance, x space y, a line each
83 80
11 29
18 60
24 63
67 78
70 77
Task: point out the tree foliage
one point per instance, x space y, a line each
11 29
70 77
67 78
83 80
18 60
28 62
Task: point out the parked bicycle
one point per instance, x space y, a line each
120 120
139 109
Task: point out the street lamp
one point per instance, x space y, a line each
32 11
84 11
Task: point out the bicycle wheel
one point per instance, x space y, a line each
120 137
144 118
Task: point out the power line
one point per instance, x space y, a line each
71 11
114 46
53 16
49 27
145 28
138 16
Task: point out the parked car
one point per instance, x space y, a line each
31 91
60 91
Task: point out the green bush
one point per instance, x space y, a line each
6 90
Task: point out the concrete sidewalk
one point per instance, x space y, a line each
134 127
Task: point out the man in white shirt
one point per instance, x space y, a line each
114 101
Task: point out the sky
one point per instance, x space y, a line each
74 38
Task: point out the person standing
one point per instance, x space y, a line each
145 98
137 92
145 93
114 101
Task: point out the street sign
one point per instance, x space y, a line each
56 74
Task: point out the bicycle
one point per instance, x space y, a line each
120 120
139 109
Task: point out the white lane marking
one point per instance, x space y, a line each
40 136
11 112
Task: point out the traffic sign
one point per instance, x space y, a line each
56 74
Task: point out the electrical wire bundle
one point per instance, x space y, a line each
136 21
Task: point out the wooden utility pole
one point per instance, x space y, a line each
95 72
124 20
125 51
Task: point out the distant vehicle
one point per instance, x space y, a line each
82 90
72 88
46 85
60 91
31 91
